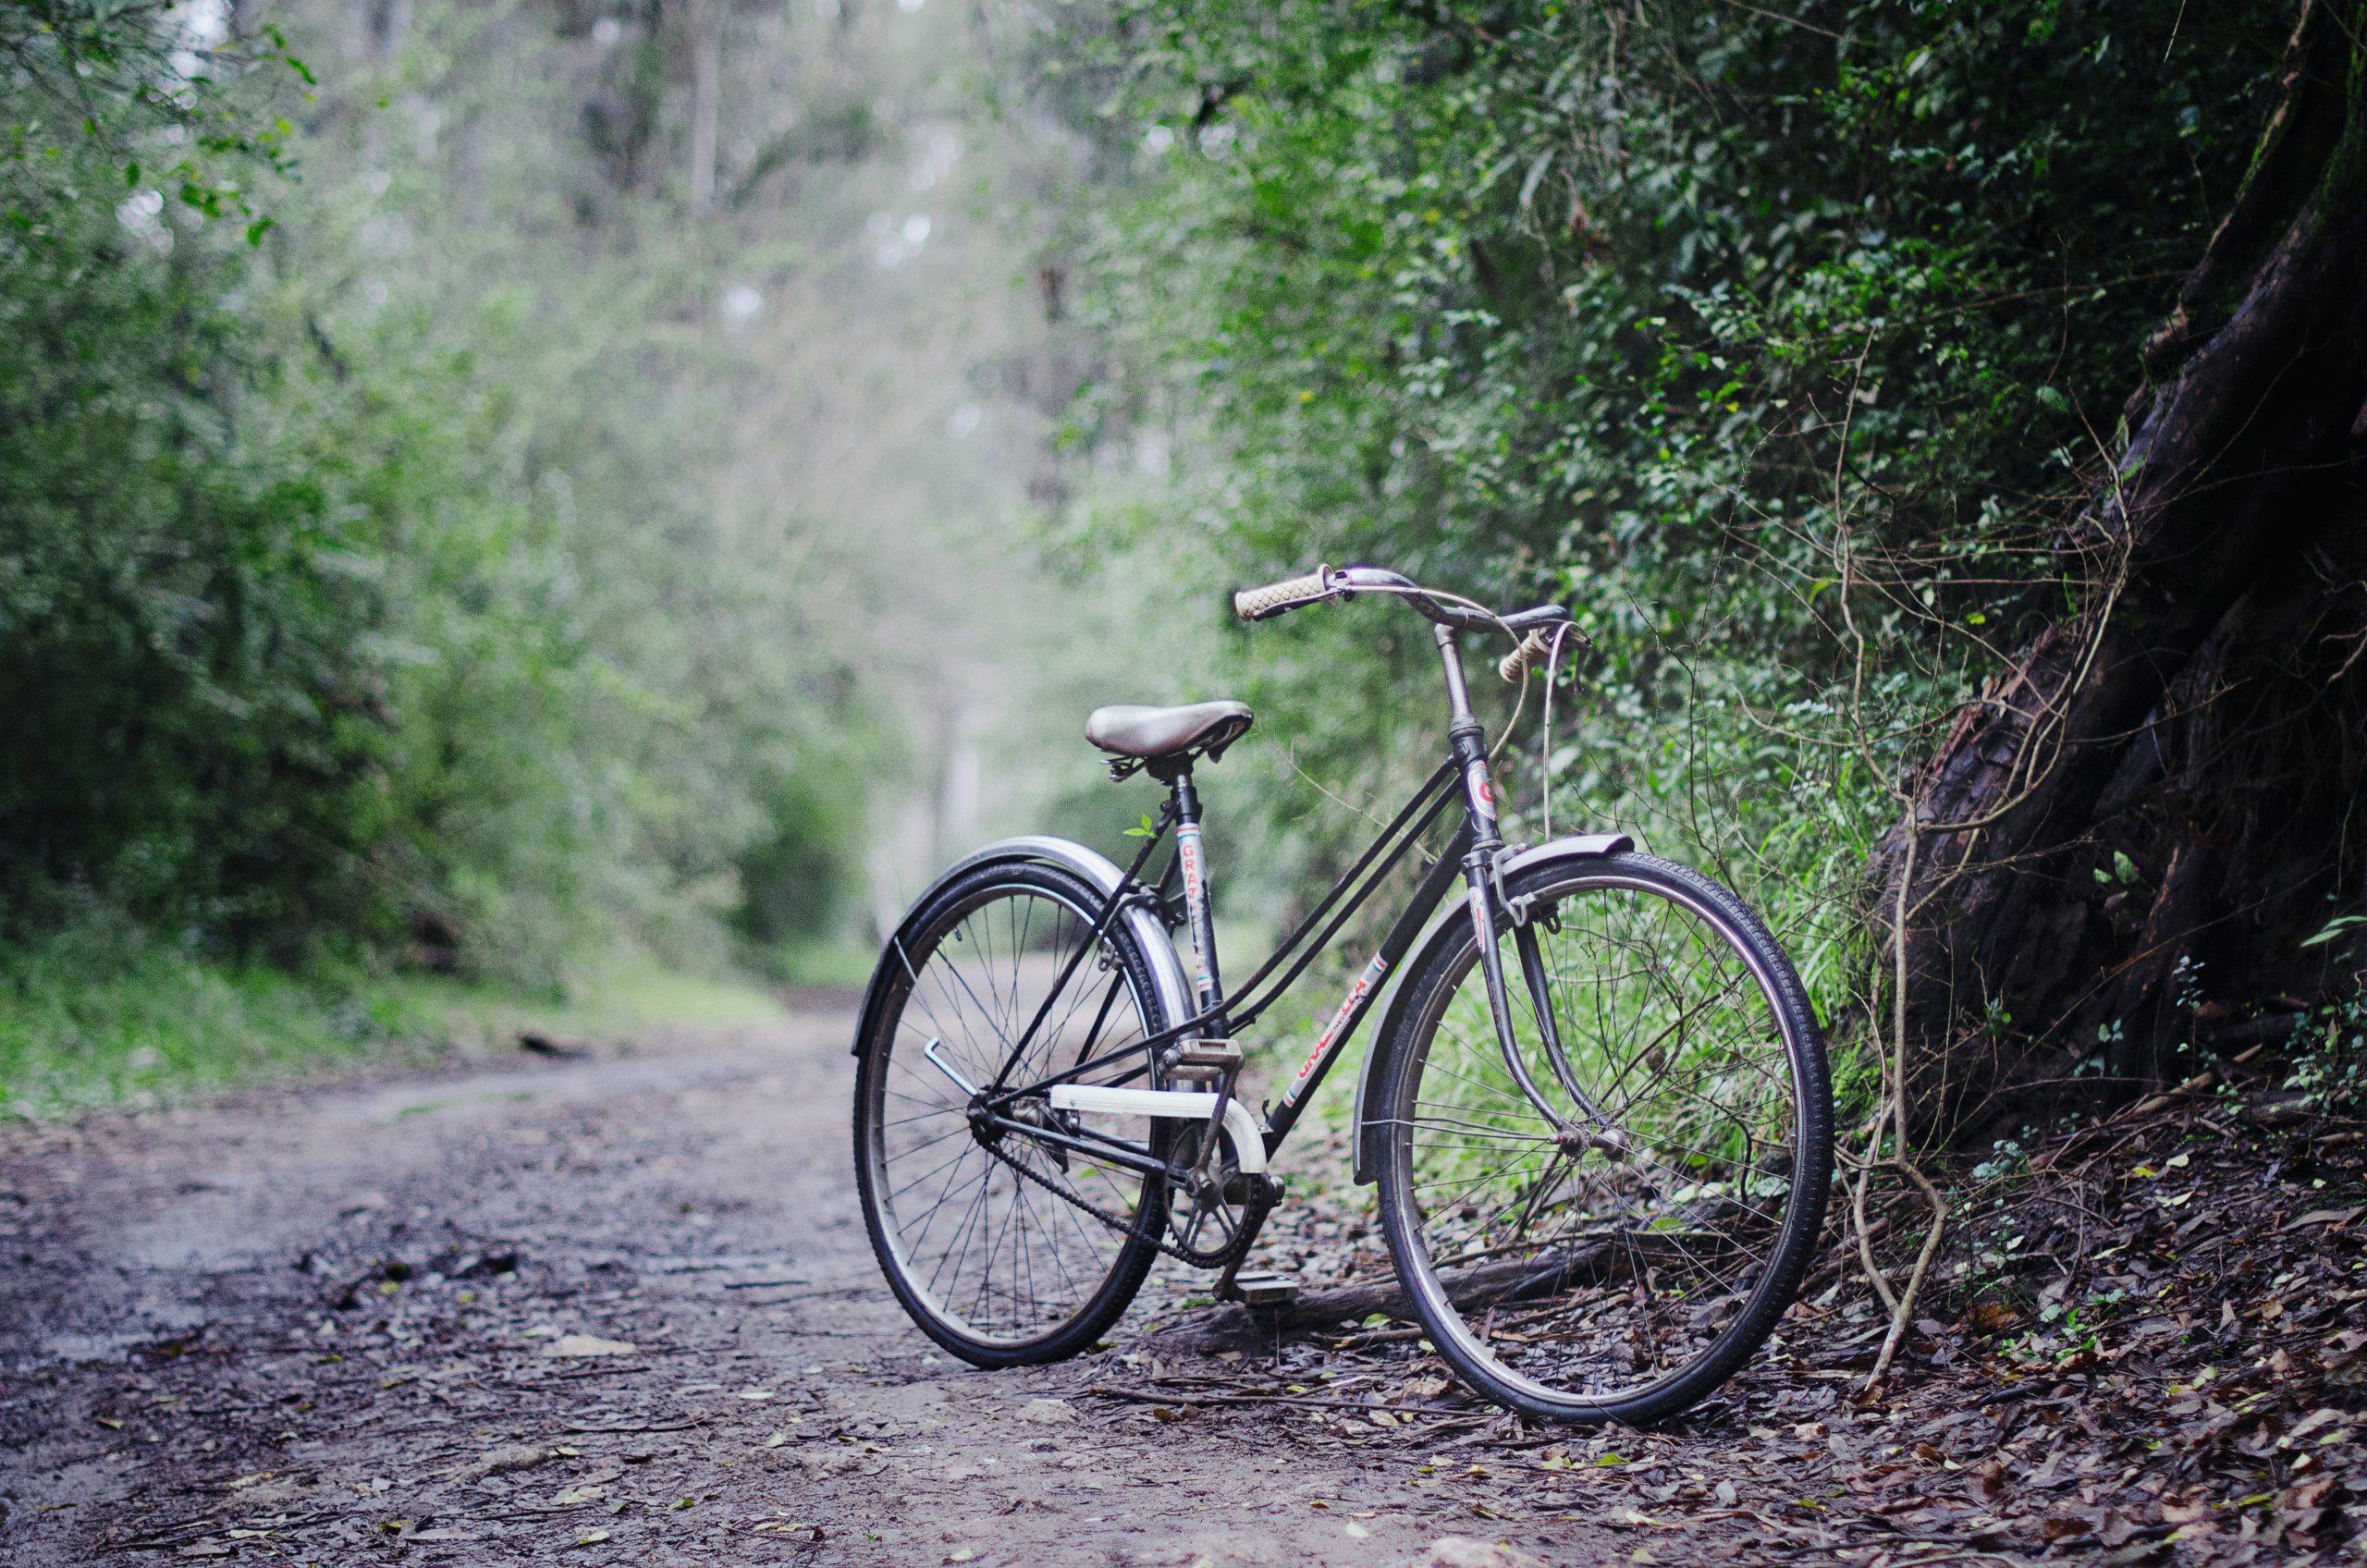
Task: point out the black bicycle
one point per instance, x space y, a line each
1597 1105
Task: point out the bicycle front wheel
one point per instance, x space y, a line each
1008 1247
1621 1266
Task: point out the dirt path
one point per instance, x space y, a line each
324 1326
332 1326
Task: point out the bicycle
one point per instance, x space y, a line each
1599 1199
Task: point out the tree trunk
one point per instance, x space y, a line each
2129 835
707 95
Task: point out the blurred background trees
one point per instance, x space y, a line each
485 484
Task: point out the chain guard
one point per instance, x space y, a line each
1198 1257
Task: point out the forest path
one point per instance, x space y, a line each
318 1325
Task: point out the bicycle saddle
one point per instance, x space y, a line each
1151 733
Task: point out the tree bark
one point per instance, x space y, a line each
706 96
2149 811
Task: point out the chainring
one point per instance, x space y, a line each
1206 1228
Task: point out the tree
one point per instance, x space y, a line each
2149 823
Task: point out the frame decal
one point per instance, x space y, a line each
1349 1006
1195 906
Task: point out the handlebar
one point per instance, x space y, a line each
1280 598
1529 627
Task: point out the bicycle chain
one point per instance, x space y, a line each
1233 1251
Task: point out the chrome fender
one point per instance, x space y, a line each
1452 919
1166 969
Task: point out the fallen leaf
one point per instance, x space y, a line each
2307 1424
1987 1482
589 1344
1992 1317
514 1457
1461 1551
592 1538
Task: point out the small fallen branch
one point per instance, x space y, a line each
1512 1279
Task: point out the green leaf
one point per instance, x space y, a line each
2334 928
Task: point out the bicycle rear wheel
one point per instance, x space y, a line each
1006 1248
1624 1274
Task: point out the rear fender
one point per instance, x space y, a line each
1167 969
1452 918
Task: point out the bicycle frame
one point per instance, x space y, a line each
1472 853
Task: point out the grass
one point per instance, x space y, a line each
88 1021
96 1018
634 993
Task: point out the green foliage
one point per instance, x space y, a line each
2328 1052
358 593
1762 340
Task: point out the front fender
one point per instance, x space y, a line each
1167 969
1442 930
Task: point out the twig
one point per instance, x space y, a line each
1136 1397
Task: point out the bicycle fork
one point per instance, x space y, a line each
1484 894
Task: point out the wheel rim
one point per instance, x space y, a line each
1594 1275
987 1254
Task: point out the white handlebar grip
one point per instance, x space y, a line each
1524 658
1257 604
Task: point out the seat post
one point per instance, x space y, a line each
1207 986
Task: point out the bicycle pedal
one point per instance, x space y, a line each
1202 1061
1266 1288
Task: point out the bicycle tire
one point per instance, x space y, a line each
980 1314
1640 1226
